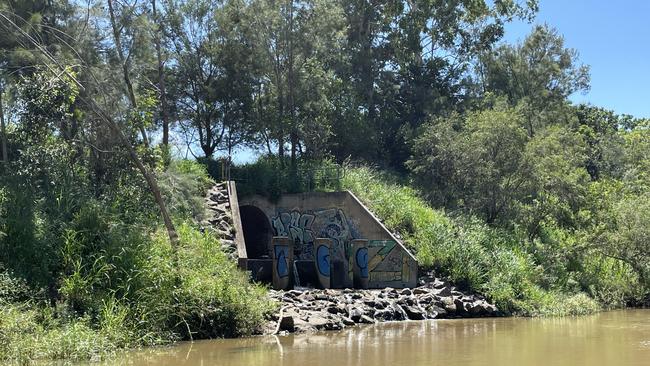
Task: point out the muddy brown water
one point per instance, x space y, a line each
610 338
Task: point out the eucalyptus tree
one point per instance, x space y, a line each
93 99
130 26
17 58
299 43
411 60
212 61
539 74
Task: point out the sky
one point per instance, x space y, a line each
613 38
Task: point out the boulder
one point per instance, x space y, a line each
355 313
442 292
287 323
433 312
366 320
420 291
413 313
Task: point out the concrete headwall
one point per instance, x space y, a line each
339 216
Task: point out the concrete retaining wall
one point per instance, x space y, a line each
341 217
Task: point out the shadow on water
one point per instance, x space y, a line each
612 338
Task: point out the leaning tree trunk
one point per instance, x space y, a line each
108 121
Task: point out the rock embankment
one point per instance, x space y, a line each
312 310
219 218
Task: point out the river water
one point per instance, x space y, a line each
610 338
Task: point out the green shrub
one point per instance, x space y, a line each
184 185
108 263
29 333
214 298
611 281
463 249
13 289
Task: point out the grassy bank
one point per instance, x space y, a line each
108 279
549 276
154 303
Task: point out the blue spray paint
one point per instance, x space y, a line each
323 260
282 255
362 261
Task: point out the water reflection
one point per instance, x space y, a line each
614 338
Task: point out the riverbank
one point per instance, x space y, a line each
310 310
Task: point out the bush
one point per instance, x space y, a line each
463 249
213 298
184 185
107 278
29 333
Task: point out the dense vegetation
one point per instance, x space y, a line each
84 273
497 181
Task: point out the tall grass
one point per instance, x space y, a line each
109 279
471 254
143 300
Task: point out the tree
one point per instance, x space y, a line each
57 69
600 129
127 23
538 74
36 17
410 60
627 237
213 72
157 20
3 130
556 184
476 160
298 45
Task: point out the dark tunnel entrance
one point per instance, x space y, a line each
257 231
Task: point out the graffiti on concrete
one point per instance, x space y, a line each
323 263
282 262
298 228
303 227
323 260
381 261
361 257
387 262
282 256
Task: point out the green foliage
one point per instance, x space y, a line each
537 76
515 192
184 184
121 289
28 334
270 176
13 289
475 161
534 279
214 299
107 262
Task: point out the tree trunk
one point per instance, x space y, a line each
125 69
280 137
164 111
149 178
293 134
3 130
